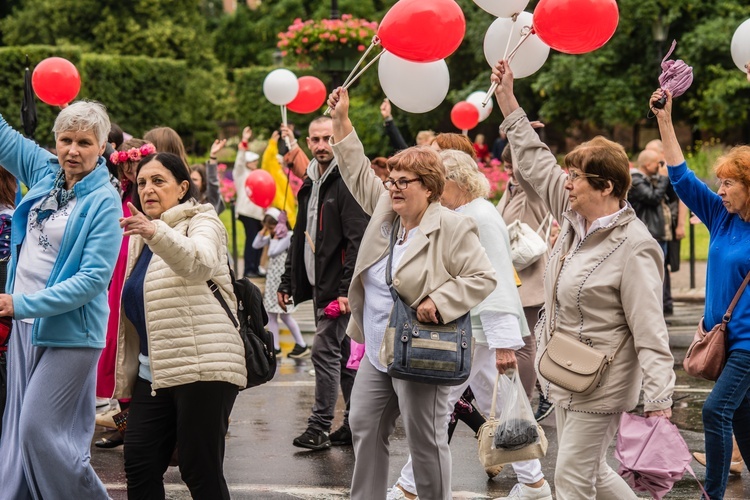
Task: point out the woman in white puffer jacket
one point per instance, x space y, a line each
179 356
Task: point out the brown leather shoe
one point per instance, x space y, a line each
734 467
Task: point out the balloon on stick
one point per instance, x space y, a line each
741 46
476 99
260 188
502 8
422 31
280 86
412 86
56 81
464 115
310 97
576 26
530 56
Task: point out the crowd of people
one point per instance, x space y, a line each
115 262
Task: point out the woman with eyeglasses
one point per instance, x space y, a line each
726 213
439 268
603 287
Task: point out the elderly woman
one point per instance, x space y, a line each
65 241
517 204
603 288
437 270
726 213
179 357
498 322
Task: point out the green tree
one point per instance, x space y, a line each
155 28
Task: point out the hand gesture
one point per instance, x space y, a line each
385 109
665 112
247 133
286 132
338 101
427 311
659 413
6 305
505 359
282 299
503 76
138 224
275 136
216 147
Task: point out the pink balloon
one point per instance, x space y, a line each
422 31
260 188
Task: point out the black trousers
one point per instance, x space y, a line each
195 417
251 255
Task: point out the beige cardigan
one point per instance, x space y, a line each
609 288
445 261
191 338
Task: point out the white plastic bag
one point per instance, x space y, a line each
526 245
516 427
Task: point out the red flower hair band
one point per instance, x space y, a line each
132 154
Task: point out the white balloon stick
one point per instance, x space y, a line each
353 79
284 121
524 37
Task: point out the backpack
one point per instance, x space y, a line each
260 356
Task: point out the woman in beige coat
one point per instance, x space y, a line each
438 268
603 287
179 356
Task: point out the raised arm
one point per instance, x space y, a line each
350 155
672 150
22 157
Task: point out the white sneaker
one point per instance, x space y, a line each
522 492
396 493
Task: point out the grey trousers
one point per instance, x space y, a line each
377 400
49 421
330 352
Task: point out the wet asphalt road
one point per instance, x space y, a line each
261 462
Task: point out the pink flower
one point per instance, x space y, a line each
343 40
122 156
304 39
283 53
342 32
361 48
333 38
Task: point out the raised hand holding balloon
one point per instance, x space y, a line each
676 77
281 87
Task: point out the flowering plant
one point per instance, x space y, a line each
497 176
309 41
132 154
226 186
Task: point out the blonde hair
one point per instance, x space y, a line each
425 137
463 170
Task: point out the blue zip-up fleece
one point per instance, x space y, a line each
72 310
728 255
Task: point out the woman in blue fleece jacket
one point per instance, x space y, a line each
726 213
64 244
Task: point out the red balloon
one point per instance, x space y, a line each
310 97
421 31
465 115
260 188
56 81
576 26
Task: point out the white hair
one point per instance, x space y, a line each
84 115
463 170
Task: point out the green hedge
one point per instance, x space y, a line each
139 92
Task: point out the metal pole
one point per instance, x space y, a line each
335 10
691 230
234 238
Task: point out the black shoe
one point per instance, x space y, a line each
544 409
313 439
341 436
277 352
112 441
300 352
668 310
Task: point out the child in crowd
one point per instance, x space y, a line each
277 237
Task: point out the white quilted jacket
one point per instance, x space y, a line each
190 336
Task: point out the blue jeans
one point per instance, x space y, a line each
727 409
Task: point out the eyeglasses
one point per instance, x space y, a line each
400 184
575 174
725 183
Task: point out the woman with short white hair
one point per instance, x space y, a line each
65 240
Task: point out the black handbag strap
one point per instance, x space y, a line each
215 289
388 277
728 315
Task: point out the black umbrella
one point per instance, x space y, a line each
28 106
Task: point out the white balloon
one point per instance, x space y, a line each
280 86
476 99
502 8
741 46
529 57
412 86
